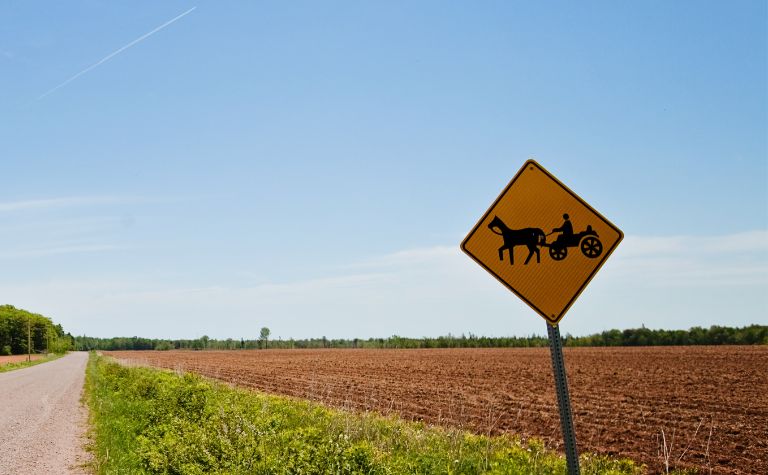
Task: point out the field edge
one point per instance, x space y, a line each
147 420
6 367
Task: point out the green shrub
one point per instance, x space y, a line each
6 350
164 346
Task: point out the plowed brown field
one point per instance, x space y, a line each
17 358
708 404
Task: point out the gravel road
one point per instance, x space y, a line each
42 423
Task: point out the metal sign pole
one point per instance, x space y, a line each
563 400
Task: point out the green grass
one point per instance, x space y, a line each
24 364
153 421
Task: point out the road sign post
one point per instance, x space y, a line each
535 201
563 399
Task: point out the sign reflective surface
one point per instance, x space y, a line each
542 241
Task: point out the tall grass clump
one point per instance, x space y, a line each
149 421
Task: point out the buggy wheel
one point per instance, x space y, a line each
558 253
591 247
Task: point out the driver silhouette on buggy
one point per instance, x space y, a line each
566 230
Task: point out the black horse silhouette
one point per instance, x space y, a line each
531 237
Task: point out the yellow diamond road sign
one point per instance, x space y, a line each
542 241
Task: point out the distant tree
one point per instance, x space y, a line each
22 331
164 346
264 336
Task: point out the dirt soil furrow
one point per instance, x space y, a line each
703 408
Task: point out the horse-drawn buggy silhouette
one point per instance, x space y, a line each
534 238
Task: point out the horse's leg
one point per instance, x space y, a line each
501 253
511 255
530 253
538 255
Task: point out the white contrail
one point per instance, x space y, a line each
113 54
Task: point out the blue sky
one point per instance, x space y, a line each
313 166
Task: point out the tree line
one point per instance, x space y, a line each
714 335
22 332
